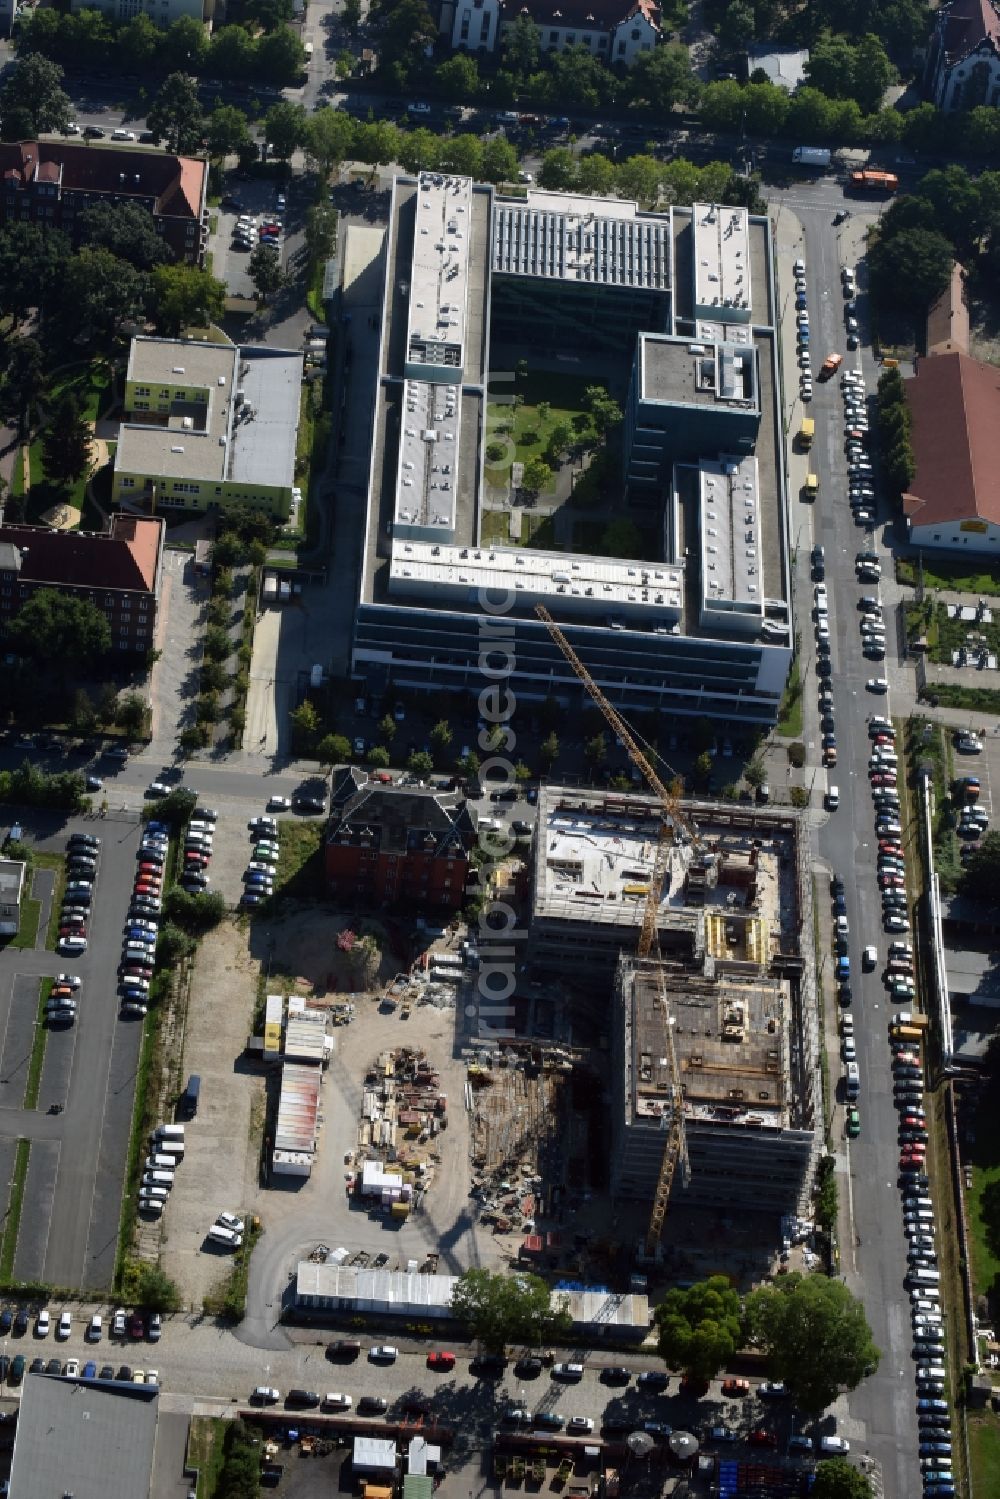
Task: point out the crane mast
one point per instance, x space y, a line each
675 1143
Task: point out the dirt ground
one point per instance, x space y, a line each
219 1170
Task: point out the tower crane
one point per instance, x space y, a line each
675 1143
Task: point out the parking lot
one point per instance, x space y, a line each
69 1219
230 258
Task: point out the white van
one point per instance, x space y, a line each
168 1132
173 1150
225 1236
832 798
158 1179
159 1163
924 1277
157 1192
852 1075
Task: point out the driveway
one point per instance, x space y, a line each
179 630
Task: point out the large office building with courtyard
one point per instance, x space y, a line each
676 313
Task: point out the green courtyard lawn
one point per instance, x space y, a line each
530 430
957 577
92 385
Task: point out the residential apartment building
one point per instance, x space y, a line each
208 426
50 182
398 845
119 571
617 31
162 12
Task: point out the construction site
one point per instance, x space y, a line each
403 1112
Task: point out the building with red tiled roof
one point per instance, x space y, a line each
50 182
948 329
118 570
963 61
953 502
618 31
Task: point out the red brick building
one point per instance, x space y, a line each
119 571
50 182
398 845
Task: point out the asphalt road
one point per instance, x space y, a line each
69 1226
875 1262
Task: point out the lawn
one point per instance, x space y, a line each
206 1451
972 699
985 1264
984 1452
300 860
92 385
790 713
531 428
954 576
496 528
58 863
37 1057
31 915
12 1222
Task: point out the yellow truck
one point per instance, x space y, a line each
811 486
807 431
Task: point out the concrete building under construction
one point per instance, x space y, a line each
735 980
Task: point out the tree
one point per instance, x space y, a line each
407 27
499 160
387 728
175 116
233 53
268 14
155 1290
305 724
59 631
172 945
378 757
605 412
458 77
982 873
328 137
441 737
462 154
596 749
137 44
280 58
365 959
639 177
32 262
420 150
873 73
265 272
836 1479
663 78
130 714
228 132
537 475
351 15
703 769
596 174
125 230
186 296
755 774
557 169
815 1336
184 47
522 46
66 442
99 293
497 1309
32 94
620 538
549 749
700 1328
23 382
285 129
333 749
420 763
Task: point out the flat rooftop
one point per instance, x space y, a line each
686 372
176 361
576 583
246 430
87 1438
439 273
730 1036
732 569
427 490
566 237
722 281
708 322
